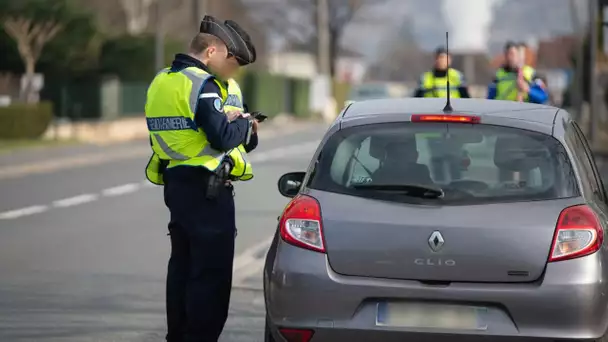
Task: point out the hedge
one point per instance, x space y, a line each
25 121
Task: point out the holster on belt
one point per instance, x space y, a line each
218 178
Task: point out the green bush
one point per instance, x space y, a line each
132 57
25 121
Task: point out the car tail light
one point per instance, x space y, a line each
297 335
578 233
300 224
445 118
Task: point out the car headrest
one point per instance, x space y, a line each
519 154
379 144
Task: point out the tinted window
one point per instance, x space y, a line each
470 163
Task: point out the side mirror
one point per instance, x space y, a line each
289 184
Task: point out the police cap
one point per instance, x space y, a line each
210 25
245 50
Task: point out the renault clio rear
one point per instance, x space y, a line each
411 224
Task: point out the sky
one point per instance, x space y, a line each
472 23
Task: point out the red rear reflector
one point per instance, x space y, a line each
578 233
297 335
445 118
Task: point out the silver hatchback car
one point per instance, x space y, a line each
482 224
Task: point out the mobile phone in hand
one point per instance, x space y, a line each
259 116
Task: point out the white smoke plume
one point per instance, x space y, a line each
469 23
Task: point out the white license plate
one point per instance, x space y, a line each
431 316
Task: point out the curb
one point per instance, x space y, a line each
126 152
128 129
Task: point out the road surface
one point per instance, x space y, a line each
83 244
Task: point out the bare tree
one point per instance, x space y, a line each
294 20
137 13
31 37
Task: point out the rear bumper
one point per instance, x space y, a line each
302 291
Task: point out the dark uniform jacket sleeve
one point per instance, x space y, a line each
222 134
253 142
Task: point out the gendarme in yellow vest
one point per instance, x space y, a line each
234 102
506 83
438 86
176 140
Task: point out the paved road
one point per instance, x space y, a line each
83 250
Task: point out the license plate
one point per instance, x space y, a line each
431 316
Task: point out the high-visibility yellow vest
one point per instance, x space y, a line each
171 104
234 102
438 86
506 83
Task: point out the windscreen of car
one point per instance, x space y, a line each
468 163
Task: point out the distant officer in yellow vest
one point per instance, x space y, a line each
192 138
434 83
515 80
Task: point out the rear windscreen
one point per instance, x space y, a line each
469 163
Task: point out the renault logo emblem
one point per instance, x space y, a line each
436 241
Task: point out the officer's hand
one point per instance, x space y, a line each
233 115
523 86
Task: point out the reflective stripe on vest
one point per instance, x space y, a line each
506 83
242 169
172 100
438 86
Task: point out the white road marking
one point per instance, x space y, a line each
76 200
121 189
247 259
13 214
249 263
147 184
281 152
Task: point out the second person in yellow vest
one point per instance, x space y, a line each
516 81
434 83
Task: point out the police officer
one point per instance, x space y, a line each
434 83
515 80
192 136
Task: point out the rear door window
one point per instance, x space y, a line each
586 157
469 163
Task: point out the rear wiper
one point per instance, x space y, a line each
412 190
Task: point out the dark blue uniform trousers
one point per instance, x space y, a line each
199 277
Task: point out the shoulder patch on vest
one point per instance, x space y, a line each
218 105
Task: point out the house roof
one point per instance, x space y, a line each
556 53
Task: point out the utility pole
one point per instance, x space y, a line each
159 36
324 60
576 92
593 44
199 9
323 52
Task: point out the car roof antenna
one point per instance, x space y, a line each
448 104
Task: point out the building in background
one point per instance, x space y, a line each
555 64
298 61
